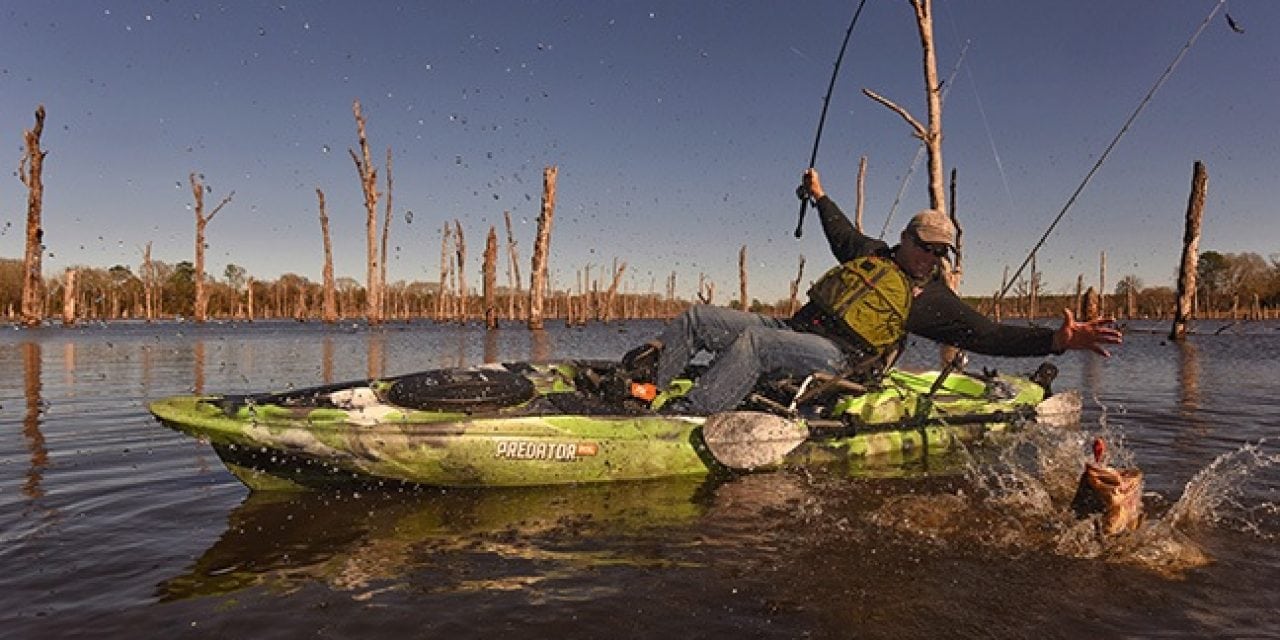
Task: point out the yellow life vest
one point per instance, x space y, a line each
869 296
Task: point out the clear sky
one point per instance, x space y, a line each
680 130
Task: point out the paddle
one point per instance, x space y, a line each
749 440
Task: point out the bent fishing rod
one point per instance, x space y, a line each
803 192
1112 145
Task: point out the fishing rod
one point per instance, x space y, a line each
1123 130
803 192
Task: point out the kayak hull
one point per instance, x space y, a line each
293 442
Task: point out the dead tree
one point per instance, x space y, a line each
148 283
795 289
491 279
369 184
513 271
1033 291
445 235
330 312
1092 305
197 190
248 286
706 289
930 134
618 270
386 228
1190 252
69 298
742 277
1079 305
862 180
538 277
31 173
460 249
1102 285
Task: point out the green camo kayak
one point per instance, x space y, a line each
542 424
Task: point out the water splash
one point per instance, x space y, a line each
1018 497
1216 494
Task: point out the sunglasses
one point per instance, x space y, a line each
936 250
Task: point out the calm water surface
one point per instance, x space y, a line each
114 526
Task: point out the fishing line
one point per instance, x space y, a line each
1102 158
802 192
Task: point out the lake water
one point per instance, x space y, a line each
113 526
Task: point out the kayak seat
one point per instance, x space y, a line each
462 390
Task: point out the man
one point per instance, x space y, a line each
857 314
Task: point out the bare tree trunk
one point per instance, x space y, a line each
932 135
31 172
1092 305
445 236
200 310
1190 252
538 282
249 287
1102 285
1079 305
795 289
369 184
386 228
69 298
461 246
1033 293
491 279
742 278
613 290
148 283
513 271
862 179
953 272
330 313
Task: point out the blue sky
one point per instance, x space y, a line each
680 130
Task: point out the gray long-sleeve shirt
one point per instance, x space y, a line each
937 312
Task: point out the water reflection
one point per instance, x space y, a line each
1188 378
326 359
197 366
31 369
491 352
1091 381
376 344
539 346
350 541
69 364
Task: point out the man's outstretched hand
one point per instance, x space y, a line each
1091 335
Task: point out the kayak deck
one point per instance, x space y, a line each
294 440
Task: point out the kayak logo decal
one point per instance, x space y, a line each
556 451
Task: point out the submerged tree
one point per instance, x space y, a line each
200 306
369 184
330 305
30 172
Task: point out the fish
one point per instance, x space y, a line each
1113 494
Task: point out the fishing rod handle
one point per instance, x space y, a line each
804 206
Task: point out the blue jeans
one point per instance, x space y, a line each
746 346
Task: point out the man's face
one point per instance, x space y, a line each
919 259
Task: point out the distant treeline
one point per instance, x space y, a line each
1240 285
118 293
